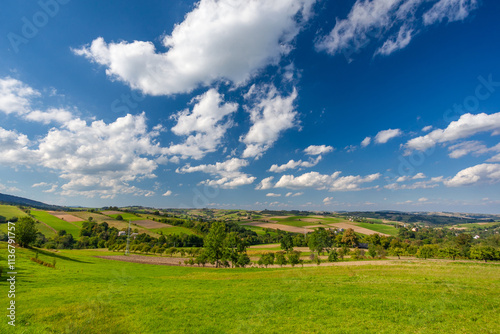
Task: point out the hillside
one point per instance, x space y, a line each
15 200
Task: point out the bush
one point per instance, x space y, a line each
281 259
294 258
333 256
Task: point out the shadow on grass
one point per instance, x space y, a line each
52 254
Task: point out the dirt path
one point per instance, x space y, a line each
165 261
179 261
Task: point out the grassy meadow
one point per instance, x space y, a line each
56 223
85 294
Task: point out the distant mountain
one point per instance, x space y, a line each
15 200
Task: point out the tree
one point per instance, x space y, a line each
398 251
214 243
280 258
243 260
426 251
119 217
287 242
319 240
483 253
294 258
350 238
333 256
25 231
450 252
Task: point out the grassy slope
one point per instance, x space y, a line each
378 228
9 211
90 295
56 223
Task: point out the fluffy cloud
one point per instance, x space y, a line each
483 173
228 172
327 200
270 115
265 183
273 195
475 147
384 136
204 126
400 20
333 182
290 194
468 125
96 160
318 149
167 193
7 189
218 40
14 148
292 164
366 142
52 115
432 183
414 177
15 96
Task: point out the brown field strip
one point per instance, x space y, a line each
357 229
66 217
287 228
150 224
110 212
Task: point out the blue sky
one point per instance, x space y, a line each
289 104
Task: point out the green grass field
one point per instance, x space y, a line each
56 223
483 225
382 228
85 294
172 230
9 211
127 216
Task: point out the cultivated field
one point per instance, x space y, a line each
356 228
65 216
86 294
279 227
150 224
56 223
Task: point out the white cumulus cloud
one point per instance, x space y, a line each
466 126
204 126
384 136
292 164
333 182
318 149
270 115
228 173
218 40
479 174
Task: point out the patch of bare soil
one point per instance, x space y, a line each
65 216
357 229
149 224
110 212
287 228
164 261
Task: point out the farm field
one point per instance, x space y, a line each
172 230
56 223
85 294
381 228
9 211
